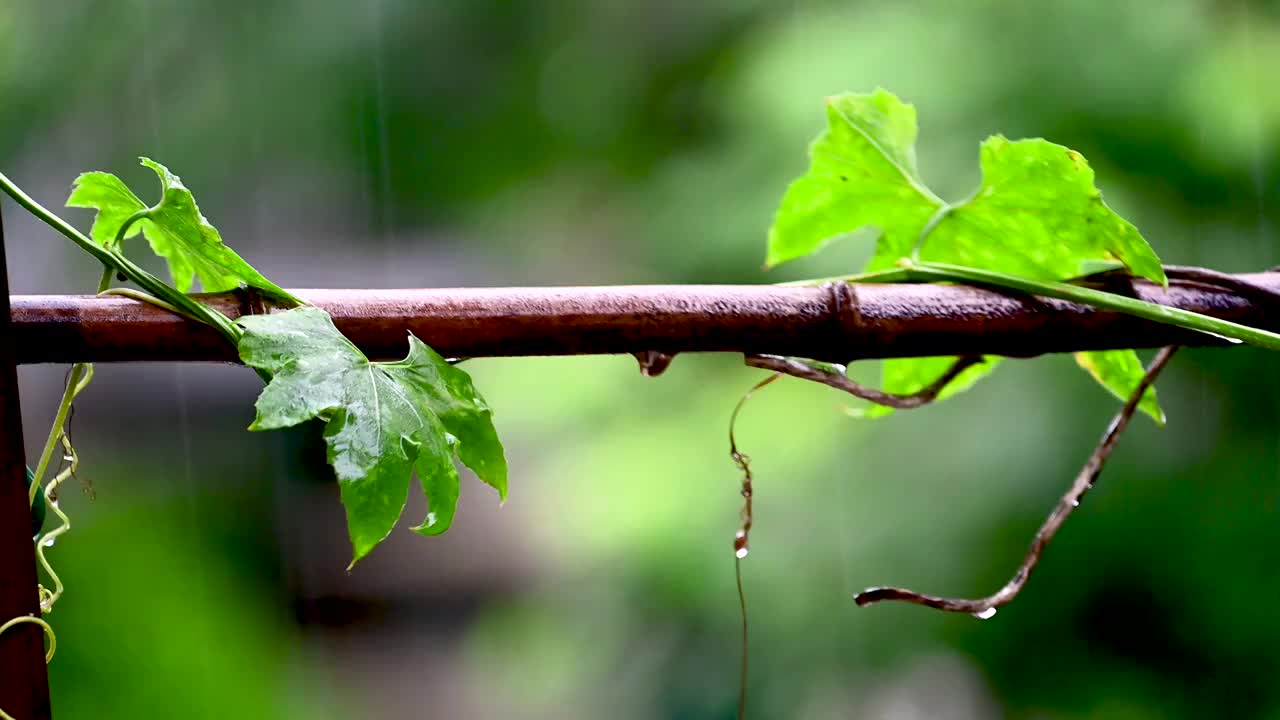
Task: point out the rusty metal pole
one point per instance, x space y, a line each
876 321
24 680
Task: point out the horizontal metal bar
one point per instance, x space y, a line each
872 321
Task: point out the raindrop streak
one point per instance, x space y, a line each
985 614
383 177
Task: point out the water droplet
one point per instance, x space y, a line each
985 614
1075 503
1228 340
740 552
48 542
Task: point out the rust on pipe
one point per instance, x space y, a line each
872 321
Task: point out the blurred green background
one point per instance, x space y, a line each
389 143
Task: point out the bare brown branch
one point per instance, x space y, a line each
741 540
805 371
986 607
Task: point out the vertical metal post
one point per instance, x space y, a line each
24 679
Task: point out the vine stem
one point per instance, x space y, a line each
834 376
114 259
984 608
48 632
742 539
919 271
49 597
53 643
76 382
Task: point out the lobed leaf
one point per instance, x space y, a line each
1037 214
175 229
113 200
862 174
383 420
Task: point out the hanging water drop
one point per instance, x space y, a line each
985 614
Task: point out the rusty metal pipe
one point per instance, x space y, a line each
876 321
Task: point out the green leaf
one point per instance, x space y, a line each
862 174
1120 371
174 227
1037 213
383 419
114 201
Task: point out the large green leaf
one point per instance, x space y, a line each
174 227
383 420
1037 214
862 174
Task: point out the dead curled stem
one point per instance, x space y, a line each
806 371
797 368
741 539
985 607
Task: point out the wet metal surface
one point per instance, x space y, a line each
871 321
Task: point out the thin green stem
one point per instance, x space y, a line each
915 272
48 631
934 272
74 386
104 282
128 223
146 298
50 597
933 222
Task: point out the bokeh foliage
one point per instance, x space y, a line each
394 143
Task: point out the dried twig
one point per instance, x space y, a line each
808 370
741 539
986 607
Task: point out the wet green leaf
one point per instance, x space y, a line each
383 420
